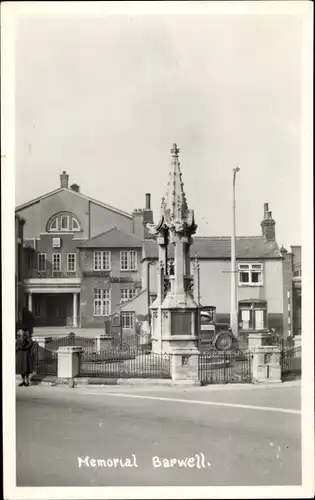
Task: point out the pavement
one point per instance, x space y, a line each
158 436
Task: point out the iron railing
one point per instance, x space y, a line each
291 363
44 360
119 364
216 367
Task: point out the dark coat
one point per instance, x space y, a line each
24 354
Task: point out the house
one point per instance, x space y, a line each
81 256
264 278
110 265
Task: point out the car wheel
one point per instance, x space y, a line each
224 342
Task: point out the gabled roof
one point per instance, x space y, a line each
139 303
75 193
113 238
219 247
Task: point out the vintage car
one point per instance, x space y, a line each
214 335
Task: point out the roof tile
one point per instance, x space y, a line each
113 238
219 247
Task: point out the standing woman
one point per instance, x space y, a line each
23 355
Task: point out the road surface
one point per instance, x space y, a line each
206 438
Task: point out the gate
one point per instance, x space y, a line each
290 360
225 367
88 344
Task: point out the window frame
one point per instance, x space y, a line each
103 301
102 260
128 260
54 270
54 224
74 262
51 228
131 294
64 228
252 306
250 268
77 222
45 261
124 316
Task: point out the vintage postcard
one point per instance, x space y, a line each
158 334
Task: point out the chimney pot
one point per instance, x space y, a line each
266 207
64 179
75 187
148 201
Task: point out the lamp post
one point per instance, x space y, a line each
234 318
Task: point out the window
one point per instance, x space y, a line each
127 294
54 225
127 320
128 261
101 261
250 274
71 262
56 261
101 302
64 223
42 259
75 224
253 315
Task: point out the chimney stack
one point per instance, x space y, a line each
268 225
64 179
148 201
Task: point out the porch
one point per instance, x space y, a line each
54 309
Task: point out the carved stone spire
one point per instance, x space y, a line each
176 198
175 215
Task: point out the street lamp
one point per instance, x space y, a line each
234 318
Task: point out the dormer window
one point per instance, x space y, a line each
63 222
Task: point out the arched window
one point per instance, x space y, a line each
63 222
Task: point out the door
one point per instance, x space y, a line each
56 310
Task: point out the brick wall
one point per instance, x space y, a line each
90 283
44 245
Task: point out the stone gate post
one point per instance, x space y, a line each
103 342
266 365
68 365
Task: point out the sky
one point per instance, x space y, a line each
105 97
